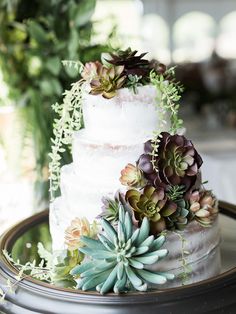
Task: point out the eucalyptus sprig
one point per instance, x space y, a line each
70 120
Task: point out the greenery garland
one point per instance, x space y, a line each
70 120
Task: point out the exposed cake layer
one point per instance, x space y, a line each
102 162
196 241
125 118
206 267
82 194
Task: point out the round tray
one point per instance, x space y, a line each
215 295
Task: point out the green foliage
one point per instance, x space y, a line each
60 273
34 37
176 192
167 103
120 258
168 97
70 120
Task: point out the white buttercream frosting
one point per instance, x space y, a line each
125 118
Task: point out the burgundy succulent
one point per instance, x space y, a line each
174 162
133 64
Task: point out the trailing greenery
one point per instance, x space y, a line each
34 37
70 120
186 268
167 106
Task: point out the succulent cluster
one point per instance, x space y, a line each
119 258
123 68
165 185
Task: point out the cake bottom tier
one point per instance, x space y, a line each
196 247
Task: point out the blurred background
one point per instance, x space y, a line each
35 35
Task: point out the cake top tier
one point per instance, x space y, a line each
126 118
123 100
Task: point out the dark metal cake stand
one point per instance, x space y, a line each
215 295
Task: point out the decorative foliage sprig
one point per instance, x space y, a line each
167 102
70 120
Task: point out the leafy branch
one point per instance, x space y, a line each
167 104
70 120
187 270
30 269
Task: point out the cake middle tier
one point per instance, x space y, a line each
83 192
102 162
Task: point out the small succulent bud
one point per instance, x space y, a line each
77 229
132 176
204 206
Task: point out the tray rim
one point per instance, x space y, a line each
9 237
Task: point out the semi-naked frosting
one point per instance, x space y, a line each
114 133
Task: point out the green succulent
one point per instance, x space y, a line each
111 207
119 258
181 217
61 270
107 81
153 204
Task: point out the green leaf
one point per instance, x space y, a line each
81 14
37 32
128 225
97 254
73 44
110 281
53 64
56 86
134 279
120 284
143 232
151 277
45 254
157 243
147 260
110 231
96 280
79 269
136 264
120 271
92 243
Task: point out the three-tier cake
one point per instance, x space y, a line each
130 161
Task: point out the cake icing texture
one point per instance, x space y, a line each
133 211
114 133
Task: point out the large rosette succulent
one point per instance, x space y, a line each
153 204
175 161
107 81
133 64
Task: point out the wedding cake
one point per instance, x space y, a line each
131 164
